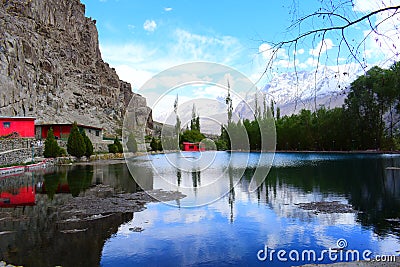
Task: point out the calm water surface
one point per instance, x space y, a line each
234 225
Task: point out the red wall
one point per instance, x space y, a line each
25 127
193 146
25 197
65 130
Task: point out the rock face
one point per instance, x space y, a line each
51 67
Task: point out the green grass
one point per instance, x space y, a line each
17 164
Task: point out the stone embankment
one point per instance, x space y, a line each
18 150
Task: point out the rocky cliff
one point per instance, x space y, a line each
51 67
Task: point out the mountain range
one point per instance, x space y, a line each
291 92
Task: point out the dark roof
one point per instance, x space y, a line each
17 118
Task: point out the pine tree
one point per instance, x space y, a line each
76 145
198 123
118 144
51 148
153 144
88 144
132 144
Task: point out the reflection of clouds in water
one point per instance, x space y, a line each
198 216
144 219
385 246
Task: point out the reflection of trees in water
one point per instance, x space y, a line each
196 179
141 176
13 184
79 179
45 245
366 184
231 194
51 183
178 176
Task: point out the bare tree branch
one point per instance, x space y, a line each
339 21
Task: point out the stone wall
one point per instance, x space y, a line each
19 155
97 147
14 143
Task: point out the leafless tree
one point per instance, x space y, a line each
334 18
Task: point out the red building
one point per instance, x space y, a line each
24 126
187 146
62 131
24 197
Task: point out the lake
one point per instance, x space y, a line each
220 222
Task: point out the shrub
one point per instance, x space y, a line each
62 152
88 145
132 144
192 136
118 144
112 148
156 144
51 148
76 145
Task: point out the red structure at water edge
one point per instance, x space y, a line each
187 146
24 126
24 197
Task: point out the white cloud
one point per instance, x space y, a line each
167 9
267 52
181 47
311 62
322 47
371 5
149 25
195 47
381 44
299 52
136 77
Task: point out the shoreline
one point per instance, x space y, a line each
319 151
118 157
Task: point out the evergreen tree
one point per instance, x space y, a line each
88 144
228 101
112 148
198 123
272 108
51 148
131 144
278 113
193 120
154 144
76 145
118 145
178 121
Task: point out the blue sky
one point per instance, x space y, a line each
142 38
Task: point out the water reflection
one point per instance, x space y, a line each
228 231
17 192
30 233
361 180
232 229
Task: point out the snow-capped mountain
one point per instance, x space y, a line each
291 92
303 90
